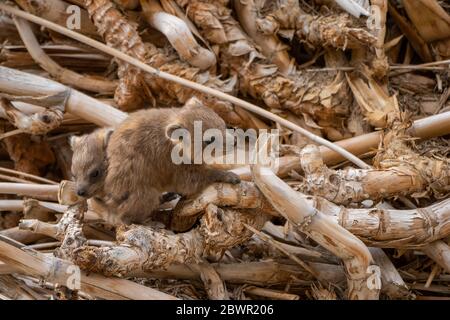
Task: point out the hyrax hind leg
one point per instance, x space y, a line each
193 183
137 207
223 176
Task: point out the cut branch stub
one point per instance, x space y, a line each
37 123
30 88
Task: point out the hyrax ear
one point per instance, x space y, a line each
73 141
107 135
193 102
170 129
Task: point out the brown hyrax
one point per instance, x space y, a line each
89 162
139 157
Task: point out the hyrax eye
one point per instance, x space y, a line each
94 174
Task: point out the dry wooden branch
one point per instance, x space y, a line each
270 294
241 196
40 122
271 46
61 74
33 190
320 97
312 221
392 283
257 273
412 176
214 285
142 249
23 85
439 251
425 128
28 176
334 30
178 34
55 270
387 228
187 83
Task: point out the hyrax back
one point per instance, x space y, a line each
140 164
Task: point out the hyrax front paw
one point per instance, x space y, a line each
232 178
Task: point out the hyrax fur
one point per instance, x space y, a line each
138 157
89 162
140 164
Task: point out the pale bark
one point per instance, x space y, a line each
392 283
178 34
312 221
386 228
56 271
61 74
425 128
439 251
142 249
214 285
333 30
270 45
257 273
404 178
29 87
33 190
270 294
115 17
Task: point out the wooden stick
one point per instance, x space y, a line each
28 175
392 282
10 133
271 294
429 127
18 83
214 285
309 220
178 34
56 271
433 273
29 189
195 86
66 76
267 238
439 251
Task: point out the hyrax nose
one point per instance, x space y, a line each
81 192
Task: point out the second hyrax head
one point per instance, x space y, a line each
201 126
89 161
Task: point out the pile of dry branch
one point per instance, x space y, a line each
370 76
